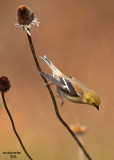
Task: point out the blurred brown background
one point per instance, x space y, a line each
78 36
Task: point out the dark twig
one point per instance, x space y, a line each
13 125
54 101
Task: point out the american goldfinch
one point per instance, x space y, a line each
69 87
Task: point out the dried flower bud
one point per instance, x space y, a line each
4 84
24 15
26 18
78 128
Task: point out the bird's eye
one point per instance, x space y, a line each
93 103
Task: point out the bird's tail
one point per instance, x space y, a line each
50 65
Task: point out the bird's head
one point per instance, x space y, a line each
91 98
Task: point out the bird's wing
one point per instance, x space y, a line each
61 83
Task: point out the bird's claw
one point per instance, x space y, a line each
47 84
61 100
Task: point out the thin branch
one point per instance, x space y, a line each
14 129
54 101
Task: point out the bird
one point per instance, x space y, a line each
69 87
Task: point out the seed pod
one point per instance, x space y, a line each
4 84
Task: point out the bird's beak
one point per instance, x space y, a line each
97 107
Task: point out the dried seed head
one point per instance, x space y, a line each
78 128
24 15
26 18
4 84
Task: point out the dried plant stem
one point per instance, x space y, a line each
80 153
13 125
54 101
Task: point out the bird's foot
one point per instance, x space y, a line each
47 84
61 99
